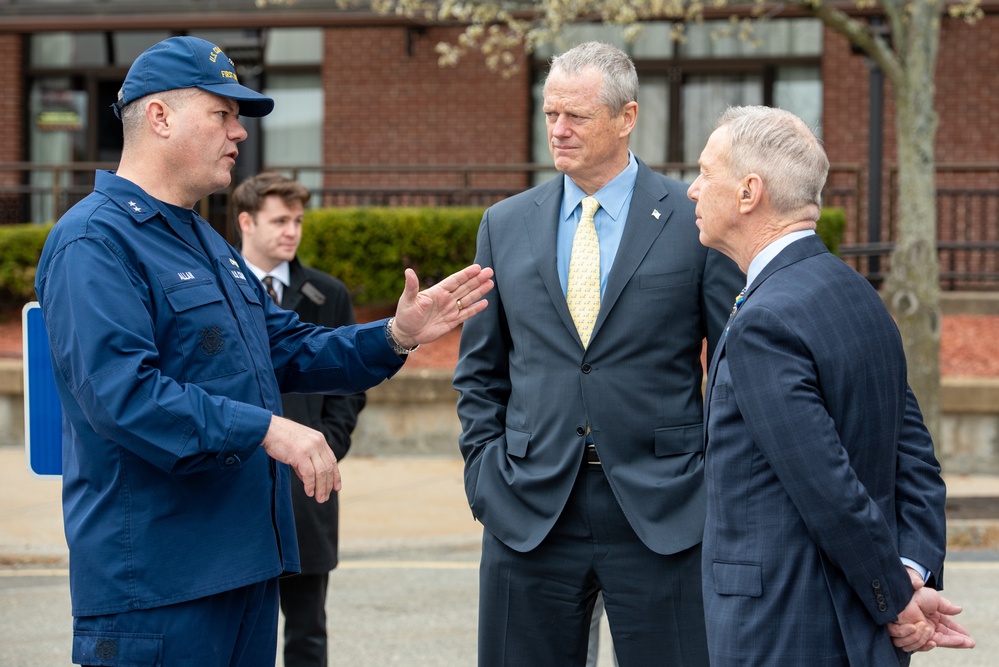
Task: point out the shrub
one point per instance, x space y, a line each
831 227
22 248
368 248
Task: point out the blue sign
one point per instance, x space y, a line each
42 409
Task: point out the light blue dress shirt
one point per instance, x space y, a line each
615 202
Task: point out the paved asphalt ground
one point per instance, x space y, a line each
406 590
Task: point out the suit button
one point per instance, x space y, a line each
586 368
231 460
876 584
882 607
580 431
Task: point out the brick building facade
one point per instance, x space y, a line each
393 119
388 102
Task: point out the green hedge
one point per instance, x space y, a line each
831 228
367 248
20 249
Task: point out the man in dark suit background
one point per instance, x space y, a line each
269 209
815 551
582 444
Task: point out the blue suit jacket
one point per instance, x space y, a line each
819 472
528 388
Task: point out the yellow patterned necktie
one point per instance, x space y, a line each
583 291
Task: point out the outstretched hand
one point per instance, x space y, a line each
422 317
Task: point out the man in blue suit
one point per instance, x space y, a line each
582 442
812 431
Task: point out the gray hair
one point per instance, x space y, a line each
133 114
620 82
782 150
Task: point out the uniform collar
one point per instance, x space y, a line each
132 199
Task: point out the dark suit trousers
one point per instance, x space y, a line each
534 607
303 603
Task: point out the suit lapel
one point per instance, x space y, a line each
647 215
292 293
542 223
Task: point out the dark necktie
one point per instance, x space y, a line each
269 285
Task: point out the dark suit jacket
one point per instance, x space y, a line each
319 299
815 461
528 388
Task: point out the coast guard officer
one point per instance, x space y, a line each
170 361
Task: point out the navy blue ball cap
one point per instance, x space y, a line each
189 62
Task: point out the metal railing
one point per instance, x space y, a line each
967 202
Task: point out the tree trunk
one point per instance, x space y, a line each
912 288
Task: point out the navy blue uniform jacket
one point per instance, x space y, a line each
170 360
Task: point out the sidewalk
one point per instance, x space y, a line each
385 503
391 505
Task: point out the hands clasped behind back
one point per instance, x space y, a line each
421 317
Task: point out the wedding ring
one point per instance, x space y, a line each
459 304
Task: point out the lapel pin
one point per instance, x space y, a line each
655 213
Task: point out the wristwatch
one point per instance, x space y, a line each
396 347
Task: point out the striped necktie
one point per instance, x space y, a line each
735 307
268 282
583 290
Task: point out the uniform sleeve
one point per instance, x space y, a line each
101 331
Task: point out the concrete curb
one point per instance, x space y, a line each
972 535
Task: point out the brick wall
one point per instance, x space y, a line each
11 99
967 118
966 92
11 122
965 98
388 102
